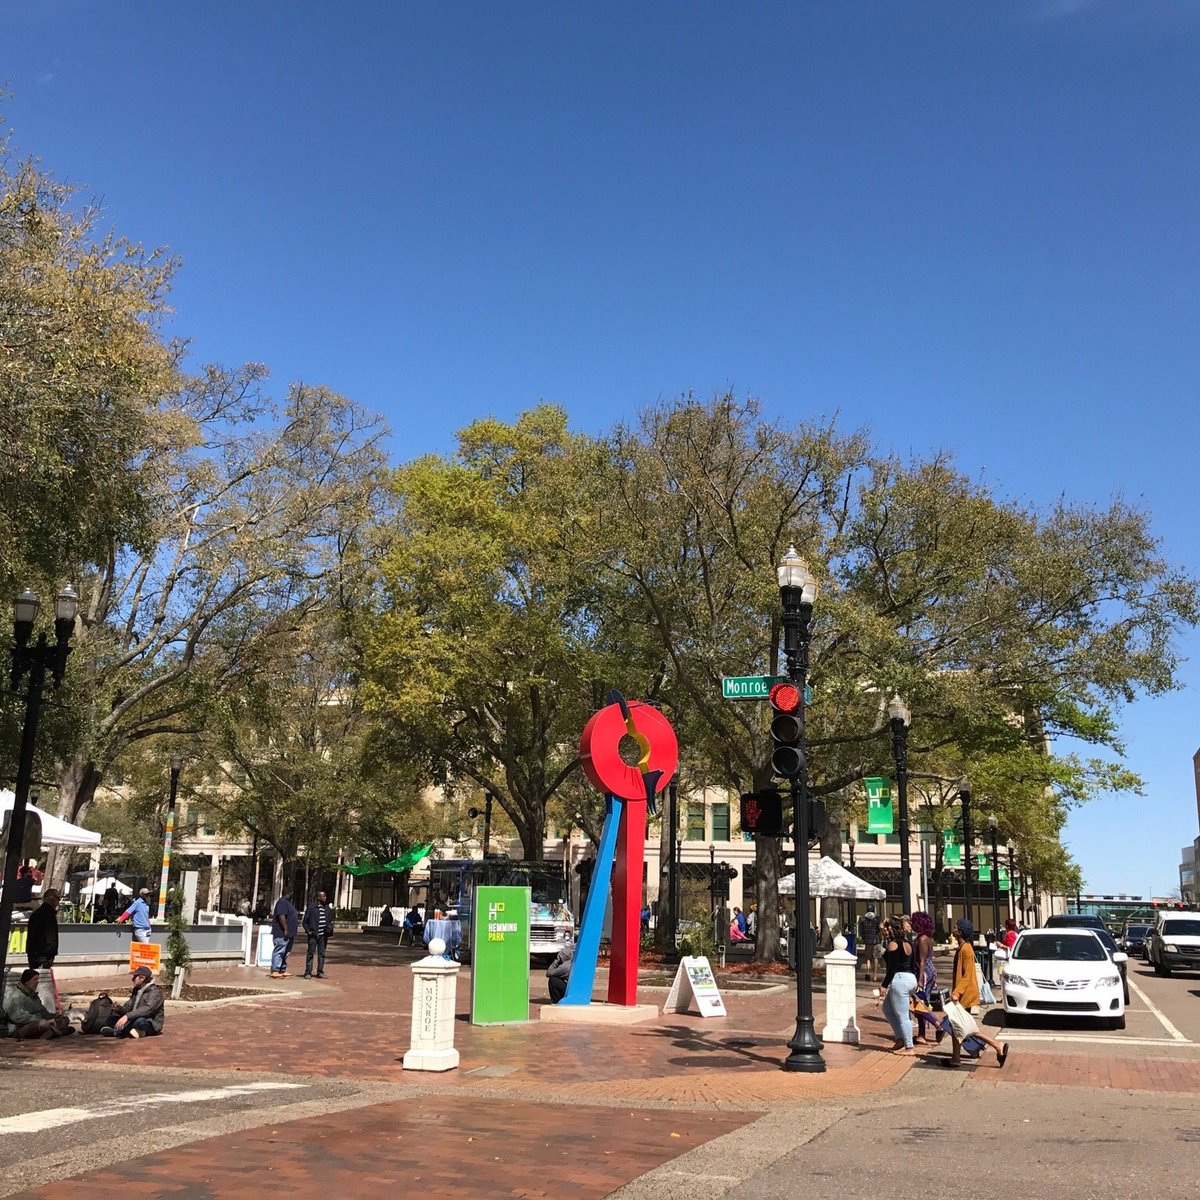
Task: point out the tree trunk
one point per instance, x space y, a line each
277 881
77 783
766 865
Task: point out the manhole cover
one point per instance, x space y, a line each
493 1072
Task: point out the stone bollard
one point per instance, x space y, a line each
435 986
841 998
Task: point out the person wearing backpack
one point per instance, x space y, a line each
868 939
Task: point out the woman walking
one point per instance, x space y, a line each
922 924
965 993
899 983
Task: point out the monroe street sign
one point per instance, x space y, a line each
754 687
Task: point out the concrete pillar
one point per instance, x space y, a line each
435 987
214 883
841 997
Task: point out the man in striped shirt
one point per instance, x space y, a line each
318 925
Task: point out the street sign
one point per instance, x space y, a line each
754 687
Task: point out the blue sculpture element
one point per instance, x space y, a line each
587 950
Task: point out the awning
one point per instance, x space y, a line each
827 877
55 831
398 865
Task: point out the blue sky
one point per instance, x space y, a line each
969 227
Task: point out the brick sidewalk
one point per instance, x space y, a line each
1094 1071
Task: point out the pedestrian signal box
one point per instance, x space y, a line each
762 813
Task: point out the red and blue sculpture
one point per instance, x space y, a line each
630 790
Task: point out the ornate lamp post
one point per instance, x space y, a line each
995 876
901 718
169 835
798 593
964 796
1013 890
32 661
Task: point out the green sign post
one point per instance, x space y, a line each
500 956
951 849
754 687
984 867
879 804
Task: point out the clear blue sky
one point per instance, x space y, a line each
969 227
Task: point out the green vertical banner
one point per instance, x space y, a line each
500 956
879 805
951 849
984 865
1005 884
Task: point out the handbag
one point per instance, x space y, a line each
937 999
961 1021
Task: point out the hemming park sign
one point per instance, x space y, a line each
500 950
754 687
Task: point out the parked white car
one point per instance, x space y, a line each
1062 973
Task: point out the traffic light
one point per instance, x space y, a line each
817 820
787 758
762 813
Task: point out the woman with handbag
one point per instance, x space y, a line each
964 995
922 925
898 986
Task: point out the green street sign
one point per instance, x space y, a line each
984 867
500 954
951 849
754 687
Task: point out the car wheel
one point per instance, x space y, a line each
1117 1022
1159 969
1165 972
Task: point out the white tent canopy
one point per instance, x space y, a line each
102 885
829 878
55 831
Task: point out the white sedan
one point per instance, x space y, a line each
1062 973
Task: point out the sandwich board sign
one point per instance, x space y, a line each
695 986
500 948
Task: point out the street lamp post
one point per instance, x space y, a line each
712 890
32 661
1012 880
169 836
671 817
798 594
487 821
995 876
901 718
850 844
964 796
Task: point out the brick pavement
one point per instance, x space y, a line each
462 1148
1096 1071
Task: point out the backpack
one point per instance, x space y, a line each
868 929
98 1015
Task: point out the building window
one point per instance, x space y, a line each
891 839
720 822
695 823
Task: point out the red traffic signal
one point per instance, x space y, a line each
762 813
785 697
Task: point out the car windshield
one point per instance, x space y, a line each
1137 931
1062 946
1181 929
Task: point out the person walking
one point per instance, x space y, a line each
899 983
139 913
964 993
922 927
318 925
284 922
41 947
868 939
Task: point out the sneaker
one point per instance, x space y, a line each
137 1033
276 974
307 975
108 1031
320 974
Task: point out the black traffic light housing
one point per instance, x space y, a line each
787 756
762 813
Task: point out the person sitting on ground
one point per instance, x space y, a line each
143 1015
559 972
26 1013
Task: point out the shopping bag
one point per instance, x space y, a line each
961 1021
986 995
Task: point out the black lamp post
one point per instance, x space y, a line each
671 818
1012 880
487 821
901 718
850 844
964 796
995 876
798 594
32 661
712 891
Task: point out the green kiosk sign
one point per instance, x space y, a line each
500 956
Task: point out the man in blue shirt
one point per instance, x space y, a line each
283 931
139 913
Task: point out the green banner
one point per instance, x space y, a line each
951 849
879 805
1005 883
500 955
984 866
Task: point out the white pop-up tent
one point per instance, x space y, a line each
104 883
55 831
830 879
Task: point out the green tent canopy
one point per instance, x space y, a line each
404 862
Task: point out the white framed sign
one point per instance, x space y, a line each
695 986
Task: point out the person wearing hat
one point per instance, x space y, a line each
143 1015
139 913
964 990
